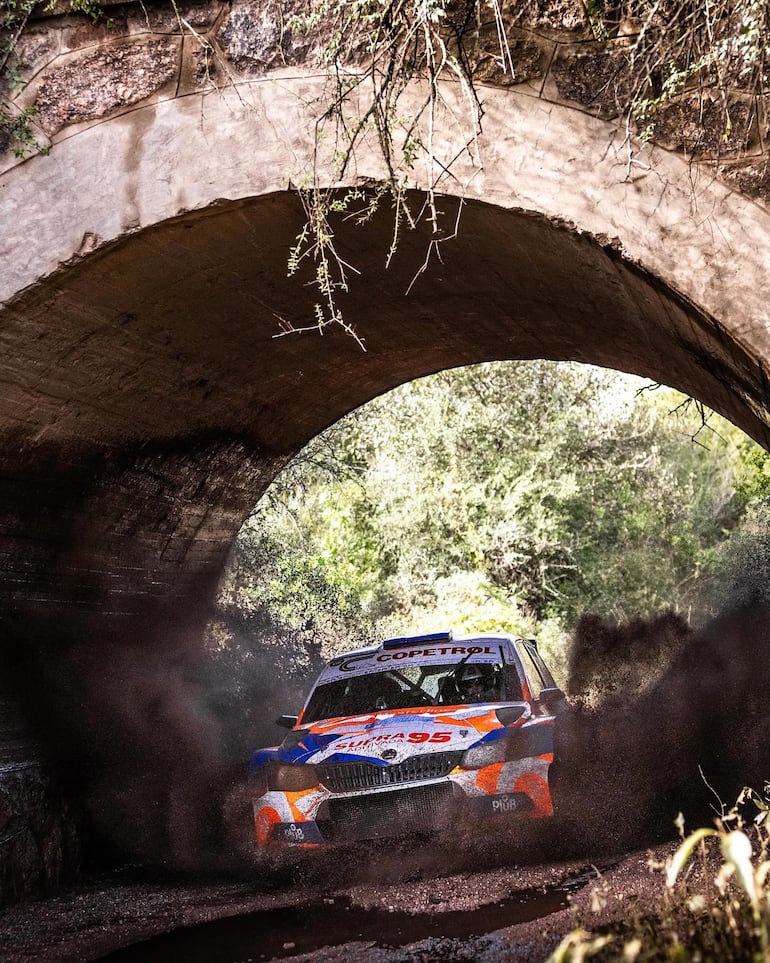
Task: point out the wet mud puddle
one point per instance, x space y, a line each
290 931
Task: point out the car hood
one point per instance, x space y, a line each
388 737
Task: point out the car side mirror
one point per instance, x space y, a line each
553 699
287 722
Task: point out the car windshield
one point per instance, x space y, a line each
414 686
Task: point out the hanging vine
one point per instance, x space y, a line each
376 52
668 64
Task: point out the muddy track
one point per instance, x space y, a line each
504 913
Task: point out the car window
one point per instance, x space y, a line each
413 686
531 669
545 675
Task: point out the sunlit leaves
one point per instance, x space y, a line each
513 496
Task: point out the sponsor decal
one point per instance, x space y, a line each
505 804
297 833
459 650
374 661
501 805
324 734
388 754
412 738
416 738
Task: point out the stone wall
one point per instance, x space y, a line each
77 71
40 846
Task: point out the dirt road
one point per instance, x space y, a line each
369 912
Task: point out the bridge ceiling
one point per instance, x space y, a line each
176 331
148 397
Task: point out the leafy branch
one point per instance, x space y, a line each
694 66
375 51
15 128
16 125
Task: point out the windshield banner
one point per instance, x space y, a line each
486 650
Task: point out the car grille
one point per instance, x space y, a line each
389 813
357 776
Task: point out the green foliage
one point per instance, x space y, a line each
508 496
16 130
708 49
753 473
91 8
15 126
12 14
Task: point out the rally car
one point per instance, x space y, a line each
411 736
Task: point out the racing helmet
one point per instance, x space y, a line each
470 676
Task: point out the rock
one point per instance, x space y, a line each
93 86
39 842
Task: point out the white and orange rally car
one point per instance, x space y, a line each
408 737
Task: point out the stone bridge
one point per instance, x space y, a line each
147 394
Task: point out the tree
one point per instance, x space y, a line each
512 495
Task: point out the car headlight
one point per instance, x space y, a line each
288 777
486 754
513 745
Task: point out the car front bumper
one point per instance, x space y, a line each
320 817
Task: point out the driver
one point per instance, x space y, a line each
473 686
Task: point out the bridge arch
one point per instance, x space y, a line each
147 400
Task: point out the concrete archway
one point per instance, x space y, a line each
145 400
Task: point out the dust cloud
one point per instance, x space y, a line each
154 739
157 742
636 748
150 735
666 718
